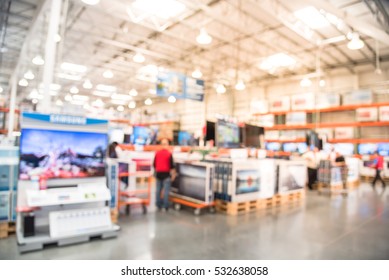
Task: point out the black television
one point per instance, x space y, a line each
57 154
251 135
227 135
210 131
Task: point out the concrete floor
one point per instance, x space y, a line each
355 227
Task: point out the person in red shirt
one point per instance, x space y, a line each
379 166
164 173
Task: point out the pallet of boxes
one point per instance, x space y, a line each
259 186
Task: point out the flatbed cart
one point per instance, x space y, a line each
197 207
137 197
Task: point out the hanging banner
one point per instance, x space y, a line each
384 113
280 104
366 114
180 86
358 97
327 100
304 101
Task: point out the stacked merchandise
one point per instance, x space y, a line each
223 178
328 174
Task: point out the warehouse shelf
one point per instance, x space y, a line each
326 125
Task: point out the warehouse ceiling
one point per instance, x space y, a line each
252 41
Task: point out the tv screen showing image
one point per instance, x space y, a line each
345 149
302 147
273 146
61 154
292 176
184 138
252 134
144 136
290 147
227 134
383 149
367 148
190 181
247 181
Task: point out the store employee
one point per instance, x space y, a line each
164 173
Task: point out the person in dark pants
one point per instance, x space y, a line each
313 159
164 173
378 166
341 162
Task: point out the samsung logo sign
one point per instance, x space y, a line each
63 119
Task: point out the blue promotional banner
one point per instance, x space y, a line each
180 86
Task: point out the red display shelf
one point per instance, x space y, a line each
332 109
326 125
6 110
358 141
298 140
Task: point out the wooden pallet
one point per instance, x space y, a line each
6 229
278 201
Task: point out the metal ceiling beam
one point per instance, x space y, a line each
357 24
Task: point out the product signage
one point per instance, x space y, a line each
296 118
344 133
304 101
280 104
384 113
259 107
266 120
179 86
327 100
358 97
366 114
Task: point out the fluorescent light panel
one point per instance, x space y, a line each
312 17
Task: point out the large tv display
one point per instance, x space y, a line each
247 181
273 146
61 154
251 136
227 134
184 138
383 149
292 176
144 136
367 148
194 181
210 131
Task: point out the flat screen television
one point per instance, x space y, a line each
345 149
59 154
227 134
184 138
251 135
383 149
143 136
367 148
210 131
273 146
289 147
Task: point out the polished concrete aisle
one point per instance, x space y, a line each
355 227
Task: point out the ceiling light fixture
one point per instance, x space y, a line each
57 38
121 96
355 42
69 77
80 97
38 60
306 82
138 58
67 66
197 73
29 75
240 85
98 103
34 101
91 2
1 89
203 38
87 84
148 102
132 105
101 93
23 83
34 94
120 108
119 102
106 88
108 74
74 90
133 92
220 89
68 97
322 83
277 61
59 103
312 17
171 99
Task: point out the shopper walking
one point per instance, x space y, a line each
313 159
341 162
378 166
164 173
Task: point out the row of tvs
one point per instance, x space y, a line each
287 147
231 135
371 148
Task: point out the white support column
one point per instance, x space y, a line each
50 51
12 105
